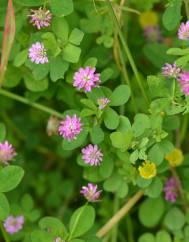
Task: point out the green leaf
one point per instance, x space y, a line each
163 236
156 154
106 167
151 211
52 224
124 124
40 71
36 85
111 118
178 51
113 183
157 86
70 145
2 132
141 123
51 43
29 3
155 188
92 61
97 135
182 61
12 77
172 15
106 74
120 95
147 237
41 236
61 28
81 221
121 140
71 53
87 112
76 36
58 67
27 203
10 177
122 190
20 58
4 207
88 103
61 7
174 219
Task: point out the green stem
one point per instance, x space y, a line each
186 8
173 89
127 51
184 128
4 234
129 226
32 104
114 230
125 75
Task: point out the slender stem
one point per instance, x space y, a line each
187 8
184 128
32 104
125 75
129 226
4 234
127 51
180 190
119 215
114 230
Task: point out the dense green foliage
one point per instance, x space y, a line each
145 120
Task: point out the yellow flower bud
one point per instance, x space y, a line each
147 170
175 158
148 18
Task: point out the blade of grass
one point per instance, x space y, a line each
127 51
8 39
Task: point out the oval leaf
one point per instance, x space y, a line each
120 95
10 177
81 221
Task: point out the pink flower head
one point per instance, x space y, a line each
171 70
40 18
86 79
92 155
102 102
90 192
171 190
183 32
152 34
7 152
38 53
13 224
184 82
70 127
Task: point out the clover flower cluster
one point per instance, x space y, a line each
39 18
13 224
172 70
90 192
7 152
171 189
85 79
